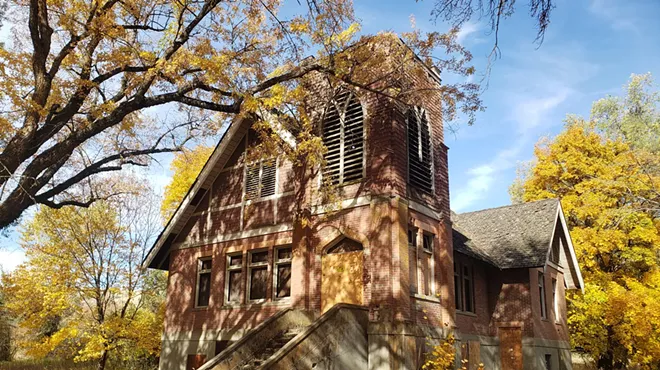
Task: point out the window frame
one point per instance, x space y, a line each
555 300
256 265
468 294
542 302
276 263
229 268
431 264
200 272
458 287
344 105
459 274
412 244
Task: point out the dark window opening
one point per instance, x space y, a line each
221 345
258 275
203 282
544 313
283 272
234 277
427 243
458 296
464 287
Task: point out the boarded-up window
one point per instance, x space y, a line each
283 272
258 273
426 265
420 172
260 179
234 277
194 362
203 291
343 136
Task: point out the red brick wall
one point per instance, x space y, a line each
478 322
380 226
549 328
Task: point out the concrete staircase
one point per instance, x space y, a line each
296 339
273 346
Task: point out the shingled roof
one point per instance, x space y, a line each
515 236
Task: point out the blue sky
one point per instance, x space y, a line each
590 50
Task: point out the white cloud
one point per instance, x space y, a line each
530 112
484 176
536 85
466 30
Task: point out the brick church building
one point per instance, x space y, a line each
369 280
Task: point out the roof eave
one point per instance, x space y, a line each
177 217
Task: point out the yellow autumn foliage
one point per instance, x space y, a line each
185 166
82 293
609 193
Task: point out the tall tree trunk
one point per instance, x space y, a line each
103 360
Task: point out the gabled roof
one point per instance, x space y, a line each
516 236
158 256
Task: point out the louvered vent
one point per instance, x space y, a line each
343 136
420 165
260 179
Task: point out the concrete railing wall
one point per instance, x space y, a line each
255 341
337 340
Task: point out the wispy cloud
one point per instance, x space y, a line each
466 30
619 16
538 84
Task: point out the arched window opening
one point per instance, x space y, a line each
420 162
343 136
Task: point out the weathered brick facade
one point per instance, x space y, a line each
376 212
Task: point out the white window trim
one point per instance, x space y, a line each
251 265
228 269
541 284
276 263
199 273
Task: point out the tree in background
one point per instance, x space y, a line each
5 329
607 176
185 166
83 293
81 80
